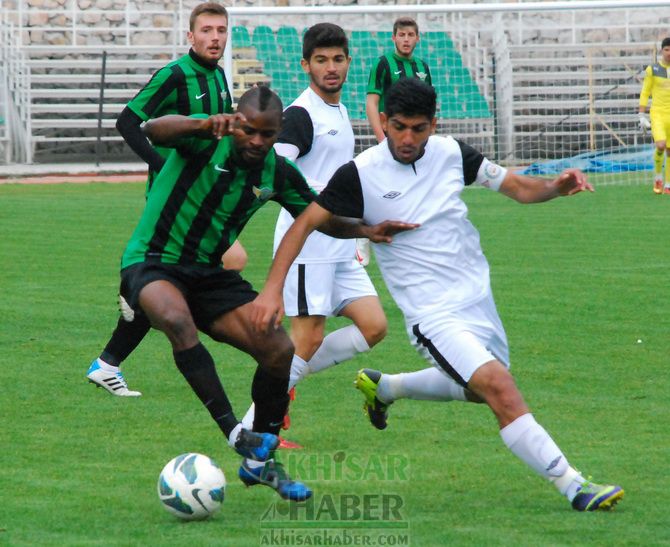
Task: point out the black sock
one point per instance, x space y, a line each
197 366
270 394
125 338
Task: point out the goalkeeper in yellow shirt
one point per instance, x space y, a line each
657 84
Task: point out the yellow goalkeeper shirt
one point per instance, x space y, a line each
657 84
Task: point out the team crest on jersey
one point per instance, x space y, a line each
392 195
332 132
224 95
262 194
421 75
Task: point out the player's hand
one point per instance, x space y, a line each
384 231
221 125
267 311
645 124
572 181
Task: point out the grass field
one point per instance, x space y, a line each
581 285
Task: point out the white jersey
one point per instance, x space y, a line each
321 139
440 265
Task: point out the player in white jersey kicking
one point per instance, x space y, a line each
325 279
434 267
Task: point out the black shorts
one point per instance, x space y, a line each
209 291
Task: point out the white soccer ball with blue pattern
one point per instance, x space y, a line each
191 486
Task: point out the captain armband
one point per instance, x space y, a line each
490 175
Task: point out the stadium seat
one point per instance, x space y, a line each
240 37
264 39
364 44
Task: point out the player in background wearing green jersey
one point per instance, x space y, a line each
392 67
387 70
192 84
657 84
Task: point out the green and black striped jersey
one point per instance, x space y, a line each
390 68
202 199
185 86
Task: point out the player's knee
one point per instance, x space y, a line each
179 327
661 146
494 383
375 332
276 357
308 342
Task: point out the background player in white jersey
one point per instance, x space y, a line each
437 273
325 278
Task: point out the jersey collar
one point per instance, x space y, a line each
200 61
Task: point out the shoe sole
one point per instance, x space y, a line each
362 378
610 502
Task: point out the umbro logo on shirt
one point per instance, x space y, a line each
392 195
332 132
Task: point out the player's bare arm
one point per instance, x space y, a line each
372 112
167 130
526 189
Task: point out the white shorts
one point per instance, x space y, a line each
460 341
324 289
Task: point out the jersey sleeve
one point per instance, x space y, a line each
293 192
646 87
190 146
155 95
343 196
297 129
472 160
376 79
429 78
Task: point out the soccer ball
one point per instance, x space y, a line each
191 486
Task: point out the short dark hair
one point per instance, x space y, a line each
411 97
210 8
665 42
405 22
324 35
262 98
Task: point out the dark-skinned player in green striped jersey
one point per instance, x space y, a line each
222 171
391 67
192 84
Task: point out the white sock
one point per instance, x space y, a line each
248 420
428 384
338 346
529 441
298 371
104 365
233 435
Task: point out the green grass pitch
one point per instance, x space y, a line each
578 283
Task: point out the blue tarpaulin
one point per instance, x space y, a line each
619 160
